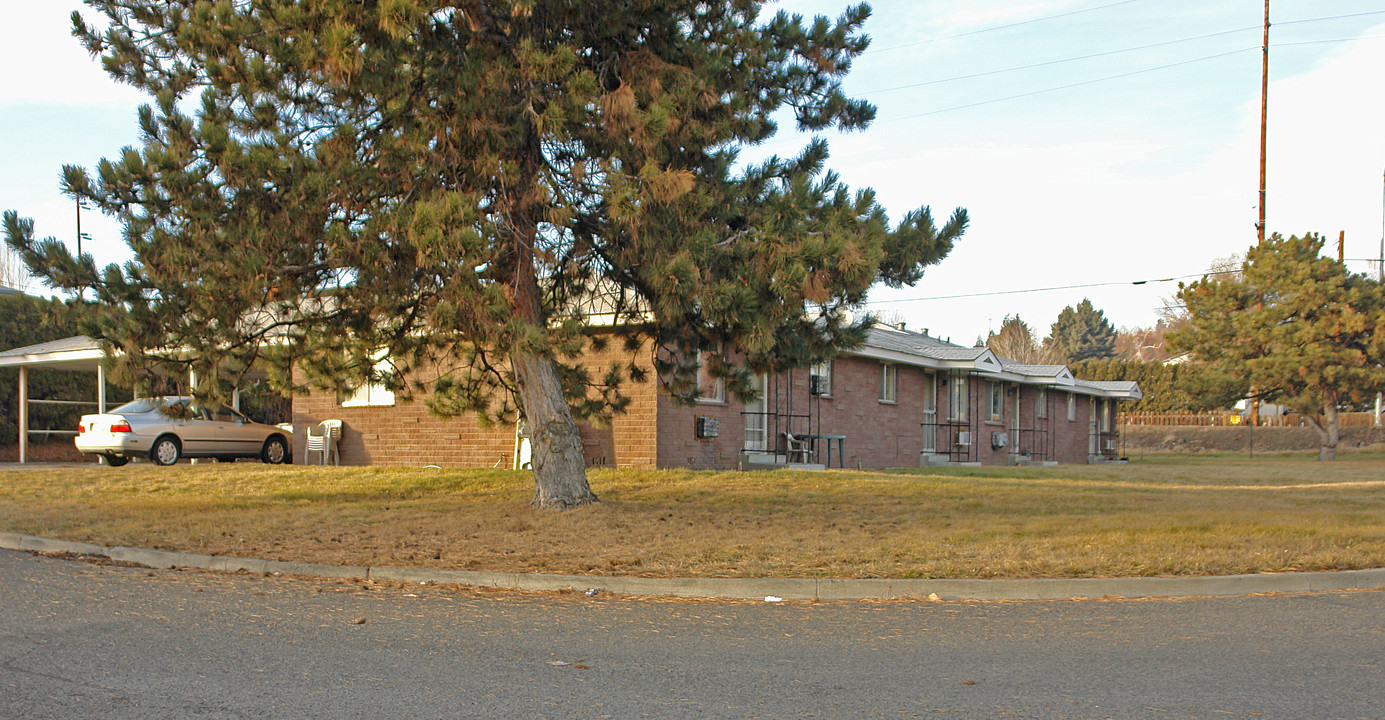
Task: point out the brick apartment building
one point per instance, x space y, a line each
902 399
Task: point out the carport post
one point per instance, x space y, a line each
192 387
100 401
23 414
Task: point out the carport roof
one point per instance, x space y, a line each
74 353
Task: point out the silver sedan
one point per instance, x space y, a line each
165 429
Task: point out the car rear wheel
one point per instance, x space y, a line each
166 451
275 451
116 460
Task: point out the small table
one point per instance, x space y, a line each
841 447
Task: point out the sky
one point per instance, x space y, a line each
1103 149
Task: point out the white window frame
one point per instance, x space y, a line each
822 370
995 401
1072 407
958 392
1041 403
372 394
718 390
889 383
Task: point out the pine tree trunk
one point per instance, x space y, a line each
1328 431
560 469
1328 451
559 465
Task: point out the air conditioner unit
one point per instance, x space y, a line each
964 437
999 440
707 427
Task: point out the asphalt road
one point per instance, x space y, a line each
94 641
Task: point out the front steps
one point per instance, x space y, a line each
771 461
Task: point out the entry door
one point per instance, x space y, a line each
756 438
930 413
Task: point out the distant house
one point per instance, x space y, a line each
903 399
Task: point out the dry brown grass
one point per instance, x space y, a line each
1164 516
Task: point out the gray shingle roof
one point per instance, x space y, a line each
919 344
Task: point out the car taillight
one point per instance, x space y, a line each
81 428
120 427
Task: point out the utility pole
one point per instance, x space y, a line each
1380 277
1264 120
1264 124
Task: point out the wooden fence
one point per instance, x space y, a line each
1224 418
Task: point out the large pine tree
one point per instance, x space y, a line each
1295 326
449 184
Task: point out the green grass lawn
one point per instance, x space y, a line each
1166 515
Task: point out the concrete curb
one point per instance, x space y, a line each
748 588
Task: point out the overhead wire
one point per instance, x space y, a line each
1057 62
1106 54
1007 26
1081 286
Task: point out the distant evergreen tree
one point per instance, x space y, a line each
1082 333
448 184
1298 327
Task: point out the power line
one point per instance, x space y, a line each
1056 62
1070 85
1103 7
1049 289
1002 27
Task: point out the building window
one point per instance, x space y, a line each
1105 415
820 379
995 401
957 398
1041 403
887 382
372 394
1072 407
710 389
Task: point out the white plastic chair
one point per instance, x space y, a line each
324 442
799 448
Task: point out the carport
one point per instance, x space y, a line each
78 353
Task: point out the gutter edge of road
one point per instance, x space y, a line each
745 588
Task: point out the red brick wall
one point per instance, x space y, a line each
878 434
1070 437
656 432
406 433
